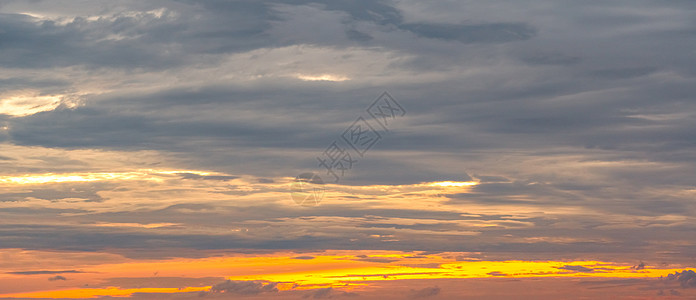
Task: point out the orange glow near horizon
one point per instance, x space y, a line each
111 291
340 269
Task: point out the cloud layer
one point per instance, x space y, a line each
538 130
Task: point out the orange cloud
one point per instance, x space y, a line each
339 269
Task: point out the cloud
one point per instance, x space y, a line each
580 269
671 292
481 33
374 259
640 266
73 42
686 278
43 272
304 257
206 177
57 277
562 128
326 293
160 282
237 287
425 292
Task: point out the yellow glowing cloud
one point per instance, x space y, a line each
24 103
137 225
453 183
425 195
322 77
146 174
94 293
359 270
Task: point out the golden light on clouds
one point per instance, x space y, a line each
322 77
339 269
137 225
20 103
145 174
111 291
453 183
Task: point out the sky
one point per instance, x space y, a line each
529 149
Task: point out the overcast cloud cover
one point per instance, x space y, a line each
576 119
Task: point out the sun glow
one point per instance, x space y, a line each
111 291
137 225
338 269
145 174
25 103
453 183
322 77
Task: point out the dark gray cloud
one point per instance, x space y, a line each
640 266
304 257
686 278
57 277
44 44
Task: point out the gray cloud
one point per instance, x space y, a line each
304 257
577 269
484 33
206 177
374 259
640 266
45 44
87 192
236 287
57 277
326 293
425 292
686 278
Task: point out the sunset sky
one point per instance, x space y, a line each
530 149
